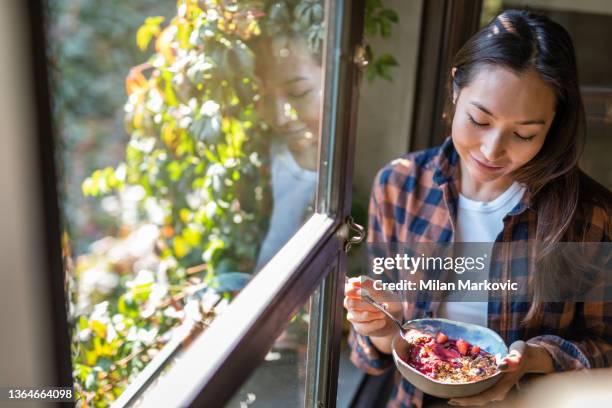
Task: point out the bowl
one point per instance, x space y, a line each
487 339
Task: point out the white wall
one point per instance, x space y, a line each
385 111
24 355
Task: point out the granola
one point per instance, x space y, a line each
449 360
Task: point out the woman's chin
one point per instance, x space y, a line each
483 176
305 156
307 163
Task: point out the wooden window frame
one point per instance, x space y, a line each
445 26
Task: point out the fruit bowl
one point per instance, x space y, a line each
484 338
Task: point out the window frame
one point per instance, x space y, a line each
313 258
445 26
53 274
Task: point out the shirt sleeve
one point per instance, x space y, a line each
363 352
366 356
592 346
592 350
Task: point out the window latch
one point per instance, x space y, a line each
353 233
361 57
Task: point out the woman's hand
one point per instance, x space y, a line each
523 358
365 318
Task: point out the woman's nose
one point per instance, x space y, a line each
284 113
492 147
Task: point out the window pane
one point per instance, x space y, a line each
189 139
280 379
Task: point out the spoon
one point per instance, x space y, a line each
380 307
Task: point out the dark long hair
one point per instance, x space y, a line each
520 40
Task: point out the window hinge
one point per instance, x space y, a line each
352 233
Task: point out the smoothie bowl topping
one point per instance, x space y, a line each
448 360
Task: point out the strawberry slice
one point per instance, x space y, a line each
441 338
462 346
475 350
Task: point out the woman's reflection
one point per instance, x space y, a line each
290 74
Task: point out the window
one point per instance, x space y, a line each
205 157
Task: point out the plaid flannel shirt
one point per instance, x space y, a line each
414 199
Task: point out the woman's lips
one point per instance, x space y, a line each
486 167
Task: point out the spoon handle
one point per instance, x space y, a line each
380 307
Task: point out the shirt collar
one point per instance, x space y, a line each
446 163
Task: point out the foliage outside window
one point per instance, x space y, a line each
192 192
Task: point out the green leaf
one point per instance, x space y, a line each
91 381
213 250
83 322
181 247
104 363
128 307
387 59
390 15
192 236
175 169
147 31
207 129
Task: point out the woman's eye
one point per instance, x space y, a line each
524 138
299 94
477 124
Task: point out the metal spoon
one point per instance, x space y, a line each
380 307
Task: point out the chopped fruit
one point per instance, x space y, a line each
441 338
463 346
450 362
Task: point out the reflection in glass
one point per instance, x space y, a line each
189 141
291 78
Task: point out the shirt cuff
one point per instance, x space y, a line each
566 356
366 356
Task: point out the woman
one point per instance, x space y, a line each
507 173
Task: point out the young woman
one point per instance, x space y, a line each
508 172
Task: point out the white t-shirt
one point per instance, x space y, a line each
479 221
293 190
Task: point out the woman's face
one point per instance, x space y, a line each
500 123
291 100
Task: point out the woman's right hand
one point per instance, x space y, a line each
365 318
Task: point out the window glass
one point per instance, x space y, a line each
286 360
188 139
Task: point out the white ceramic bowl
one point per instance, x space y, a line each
487 339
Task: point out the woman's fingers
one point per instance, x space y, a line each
352 287
358 304
370 327
354 316
514 359
494 394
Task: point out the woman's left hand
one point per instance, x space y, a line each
515 367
